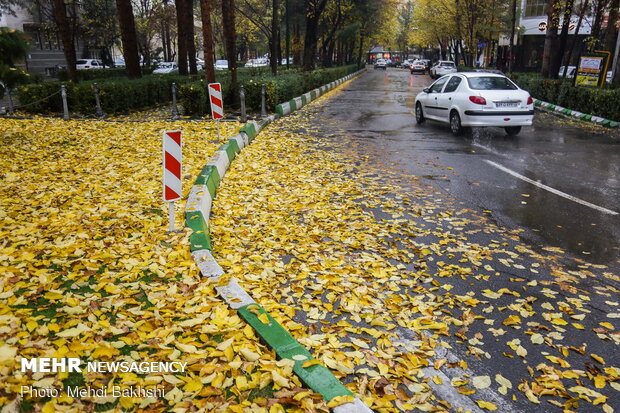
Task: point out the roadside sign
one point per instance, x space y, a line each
592 69
172 165
215 97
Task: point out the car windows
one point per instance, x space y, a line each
491 83
438 85
453 83
81 62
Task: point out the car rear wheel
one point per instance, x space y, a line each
455 123
512 130
419 115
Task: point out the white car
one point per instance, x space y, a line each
86 64
221 65
475 99
381 64
166 67
441 68
255 63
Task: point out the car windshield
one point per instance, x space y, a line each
81 62
491 83
221 62
446 64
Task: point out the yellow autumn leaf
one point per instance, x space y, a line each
486 405
339 401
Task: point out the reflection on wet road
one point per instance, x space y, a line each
580 161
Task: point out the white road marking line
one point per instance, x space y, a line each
552 190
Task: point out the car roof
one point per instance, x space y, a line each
479 74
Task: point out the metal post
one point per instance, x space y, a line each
98 111
65 106
175 110
171 215
288 36
219 137
263 109
244 117
11 109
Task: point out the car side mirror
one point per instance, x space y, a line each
426 90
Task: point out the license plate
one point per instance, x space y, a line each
506 104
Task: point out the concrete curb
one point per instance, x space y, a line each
197 213
577 115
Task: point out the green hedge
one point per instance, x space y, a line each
117 95
285 86
599 102
92 74
120 95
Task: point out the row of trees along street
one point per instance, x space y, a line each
312 32
329 32
457 27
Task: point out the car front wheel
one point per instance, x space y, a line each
455 123
419 115
512 130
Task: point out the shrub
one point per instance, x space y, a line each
285 86
594 101
98 74
117 95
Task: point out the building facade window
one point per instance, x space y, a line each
535 8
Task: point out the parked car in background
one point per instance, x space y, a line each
418 67
119 62
407 63
221 65
261 62
475 99
381 64
570 73
85 64
166 67
442 67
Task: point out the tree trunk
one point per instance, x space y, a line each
558 55
129 39
584 7
511 49
207 36
360 52
181 36
273 56
68 46
230 32
551 37
611 33
313 14
189 36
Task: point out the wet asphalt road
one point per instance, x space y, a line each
579 160
376 110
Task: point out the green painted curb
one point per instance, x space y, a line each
230 149
263 123
313 94
235 145
293 105
210 177
249 130
317 377
199 239
304 101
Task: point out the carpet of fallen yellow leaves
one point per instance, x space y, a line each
88 270
398 289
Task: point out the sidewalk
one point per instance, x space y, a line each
89 271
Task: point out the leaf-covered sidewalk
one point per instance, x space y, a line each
88 270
